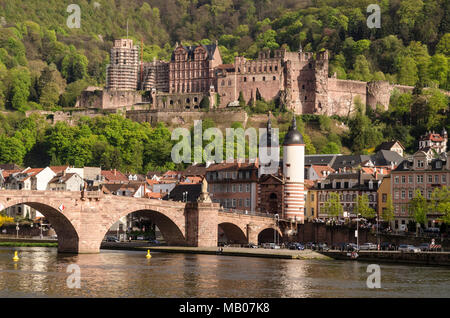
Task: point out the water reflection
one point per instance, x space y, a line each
42 272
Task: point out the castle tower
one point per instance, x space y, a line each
294 174
122 73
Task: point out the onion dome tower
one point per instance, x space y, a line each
294 174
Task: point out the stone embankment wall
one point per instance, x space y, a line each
423 258
319 232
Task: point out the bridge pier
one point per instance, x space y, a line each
252 233
202 224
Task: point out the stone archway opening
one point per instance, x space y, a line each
230 233
149 223
269 235
54 220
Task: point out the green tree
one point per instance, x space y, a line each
418 208
333 206
204 103
241 99
363 208
388 213
20 82
439 71
74 66
440 203
407 71
11 150
331 148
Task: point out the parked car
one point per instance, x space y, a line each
368 246
408 248
140 238
424 247
386 246
111 239
296 246
322 247
154 241
310 245
251 245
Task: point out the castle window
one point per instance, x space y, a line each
310 66
229 82
171 102
253 79
239 69
274 78
265 68
195 99
188 100
306 97
276 68
223 83
254 69
303 86
270 68
264 78
245 79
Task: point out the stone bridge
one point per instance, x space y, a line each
82 219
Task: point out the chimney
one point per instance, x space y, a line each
115 172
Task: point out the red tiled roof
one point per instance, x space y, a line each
232 166
154 195
34 171
7 173
309 184
114 176
320 169
58 169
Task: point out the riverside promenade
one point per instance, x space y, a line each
226 251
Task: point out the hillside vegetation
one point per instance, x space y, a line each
45 65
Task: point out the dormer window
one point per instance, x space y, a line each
438 164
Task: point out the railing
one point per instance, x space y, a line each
91 194
267 215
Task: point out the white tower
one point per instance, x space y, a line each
294 174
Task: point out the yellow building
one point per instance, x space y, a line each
311 211
384 192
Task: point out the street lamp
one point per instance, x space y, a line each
17 230
357 230
378 236
275 229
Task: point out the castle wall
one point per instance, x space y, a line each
300 81
342 94
174 117
108 99
179 101
118 99
268 84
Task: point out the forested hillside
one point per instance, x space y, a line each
44 64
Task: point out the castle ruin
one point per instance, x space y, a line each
299 80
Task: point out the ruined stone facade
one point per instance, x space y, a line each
298 80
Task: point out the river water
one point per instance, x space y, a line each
42 272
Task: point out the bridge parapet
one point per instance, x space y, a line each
250 213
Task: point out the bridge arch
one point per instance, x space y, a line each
268 234
233 233
172 228
68 238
